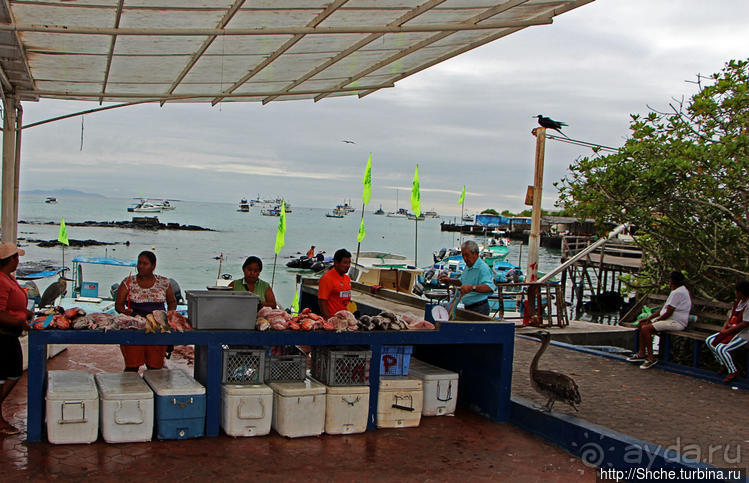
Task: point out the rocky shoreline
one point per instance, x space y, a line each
142 223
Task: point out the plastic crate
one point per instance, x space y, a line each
289 366
395 360
243 365
341 366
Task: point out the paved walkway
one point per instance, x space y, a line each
461 448
701 419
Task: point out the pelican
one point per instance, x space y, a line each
550 384
55 290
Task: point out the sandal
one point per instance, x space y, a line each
721 371
730 377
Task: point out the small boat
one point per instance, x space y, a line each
431 214
336 213
387 270
145 206
271 212
411 216
379 211
346 207
244 206
166 206
401 213
468 218
51 200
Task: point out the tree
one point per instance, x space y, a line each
490 211
682 178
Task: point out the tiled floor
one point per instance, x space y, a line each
465 447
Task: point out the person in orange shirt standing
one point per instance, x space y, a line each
311 252
334 290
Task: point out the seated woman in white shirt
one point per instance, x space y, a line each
673 316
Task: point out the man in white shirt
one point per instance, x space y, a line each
673 316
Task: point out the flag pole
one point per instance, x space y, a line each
273 277
358 245
462 207
416 241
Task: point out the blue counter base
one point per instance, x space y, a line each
480 352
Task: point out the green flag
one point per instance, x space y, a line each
281 229
295 304
367 182
62 236
362 232
462 196
415 194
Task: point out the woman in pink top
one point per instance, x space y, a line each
14 317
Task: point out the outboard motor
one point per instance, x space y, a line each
442 253
317 266
113 290
177 291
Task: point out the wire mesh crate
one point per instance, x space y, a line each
243 365
341 365
286 363
395 360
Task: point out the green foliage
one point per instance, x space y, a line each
490 211
682 179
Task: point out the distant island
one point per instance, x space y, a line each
63 192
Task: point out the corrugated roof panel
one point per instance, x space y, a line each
63 15
163 45
255 44
331 44
362 18
272 18
72 43
145 69
171 18
76 67
215 69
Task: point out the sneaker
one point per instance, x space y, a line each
648 364
635 358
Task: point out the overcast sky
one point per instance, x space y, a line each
465 121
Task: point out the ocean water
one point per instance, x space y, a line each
190 256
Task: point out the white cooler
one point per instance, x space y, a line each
126 407
399 402
246 410
298 408
440 388
72 407
346 409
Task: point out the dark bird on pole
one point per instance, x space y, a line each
57 289
553 385
348 142
550 123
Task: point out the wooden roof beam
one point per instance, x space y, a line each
5 6
177 97
473 21
117 16
197 32
358 45
284 48
206 43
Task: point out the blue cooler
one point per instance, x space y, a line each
179 404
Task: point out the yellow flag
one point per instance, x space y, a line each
362 232
462 196
280 235
415 194
295 304
367 182
62 236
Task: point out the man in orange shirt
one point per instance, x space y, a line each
311 252
334 290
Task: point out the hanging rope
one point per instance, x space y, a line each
82 133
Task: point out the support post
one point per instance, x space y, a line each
9 221
534 240
17 168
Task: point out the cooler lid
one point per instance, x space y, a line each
62 385
245 390
307 387
343 390
428 372
400 383
122 385
172 382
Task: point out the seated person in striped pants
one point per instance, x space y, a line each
734 334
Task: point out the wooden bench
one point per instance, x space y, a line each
710 319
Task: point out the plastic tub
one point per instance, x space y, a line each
216 310
126 407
